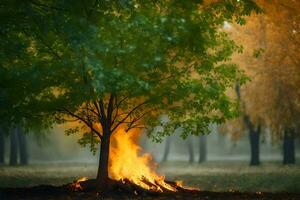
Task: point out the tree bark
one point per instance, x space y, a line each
254 136
102 176
191 150
2 147
13 158
22 147
202 149
289 147
167 149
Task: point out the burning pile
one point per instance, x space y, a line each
130 169
127 163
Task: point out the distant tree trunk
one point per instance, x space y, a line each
22 147
190 149
13 158
254 136
167 149
202 149
2 148
102 176
289 147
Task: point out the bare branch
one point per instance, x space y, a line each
129 114
139 126
93 111
110 109
97 107
72 120
117 109
88 123
102 111
131 124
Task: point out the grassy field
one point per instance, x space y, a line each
212 176
237 176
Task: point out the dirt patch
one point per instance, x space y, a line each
46 192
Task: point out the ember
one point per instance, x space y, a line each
76 186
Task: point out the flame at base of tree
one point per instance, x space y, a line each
129 163
130 169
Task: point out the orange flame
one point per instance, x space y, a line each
76 186
127 162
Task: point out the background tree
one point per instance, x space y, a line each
166 149
14 148
18 147
110 65
188 145
202 148
271 99
2 148
283 112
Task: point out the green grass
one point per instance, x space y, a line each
212 176
237 176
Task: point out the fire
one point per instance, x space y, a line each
127 162
75 186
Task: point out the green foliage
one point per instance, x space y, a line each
257 52
172 55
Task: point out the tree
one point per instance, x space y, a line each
254 129
167 149
119 64
202 149
14 147
189 146
190 149
252 37
2 148
283 112
18 146
272 97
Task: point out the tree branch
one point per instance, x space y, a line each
124 119
102 111
131 124
97 107
93 111
47 6
110 109
140 126
117 108
90 125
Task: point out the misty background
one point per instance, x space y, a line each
54 146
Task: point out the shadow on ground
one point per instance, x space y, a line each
60 193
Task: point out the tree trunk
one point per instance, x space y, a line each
102 176
191 150
167 149
254 135
22 147
254 146
202 149
13 158
289 148
2 148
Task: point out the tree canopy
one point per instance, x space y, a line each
271 98
108 63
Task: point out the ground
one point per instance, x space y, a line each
223 179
